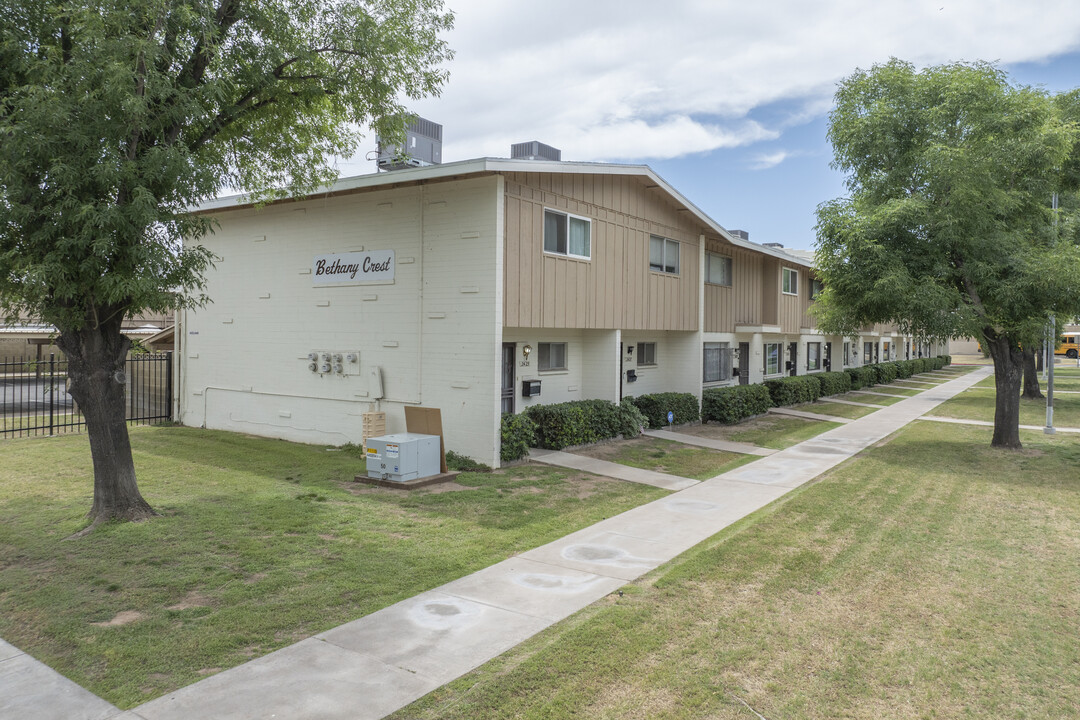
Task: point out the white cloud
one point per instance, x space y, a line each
614 79
771 160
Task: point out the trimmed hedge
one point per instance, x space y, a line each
904 368
518 435
656 406
884 372
581 422
834 383
729 405
944 359
794 390
862 377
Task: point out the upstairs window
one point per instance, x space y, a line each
663 255
790 279
567 234
717 269
816 287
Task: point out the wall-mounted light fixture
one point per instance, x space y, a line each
630 351
525 351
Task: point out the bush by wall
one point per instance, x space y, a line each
582 422
862 377
518 435
944 360
834 383
794 390
655 407
884 372
904 368
729 405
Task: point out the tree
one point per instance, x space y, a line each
117 116
948 230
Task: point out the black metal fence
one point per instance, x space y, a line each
34 398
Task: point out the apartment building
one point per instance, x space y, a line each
480 288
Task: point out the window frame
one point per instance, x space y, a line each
785 273
641 346
567 217
765 359
540 352
816 286
817 360
728 264
665 241
724 369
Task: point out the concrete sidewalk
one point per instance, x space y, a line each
383 661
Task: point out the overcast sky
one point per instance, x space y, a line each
727 101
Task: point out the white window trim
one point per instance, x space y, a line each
566 358
820 357
640 363
779 359
678 268
567 254
731 270
786 271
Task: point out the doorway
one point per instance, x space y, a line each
793 351
508 354
744 363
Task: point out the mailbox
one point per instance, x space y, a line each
530 388
631 376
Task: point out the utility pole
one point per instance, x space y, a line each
1051 344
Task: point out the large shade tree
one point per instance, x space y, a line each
948 229
116 116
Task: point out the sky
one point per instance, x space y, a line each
727 101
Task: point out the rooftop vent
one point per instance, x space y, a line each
534 150
741 234
778 246
423 146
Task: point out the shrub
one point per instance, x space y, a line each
862 377
941 361
884 372
581 422
518 435
631 420
834 383
905 368
464 463
729 405
655 407
794 390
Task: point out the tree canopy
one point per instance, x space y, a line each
948 229
117 116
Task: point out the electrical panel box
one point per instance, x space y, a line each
403 456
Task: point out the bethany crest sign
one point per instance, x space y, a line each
354 268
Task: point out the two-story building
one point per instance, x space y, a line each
480 288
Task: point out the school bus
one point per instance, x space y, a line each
1070 345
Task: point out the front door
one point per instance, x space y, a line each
793 350
508 350
744 363
828 357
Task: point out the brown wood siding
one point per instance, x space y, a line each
791 306
770 290
615 288
741 303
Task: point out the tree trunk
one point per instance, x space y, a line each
96 381
1032 391
1008 374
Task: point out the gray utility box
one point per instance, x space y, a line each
403 456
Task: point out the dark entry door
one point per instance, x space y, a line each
793 351
508 377
828 357
744 363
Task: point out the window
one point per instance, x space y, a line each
646 353
868 352
790 281
772 358
717 269
663 255
567 234
813 356
816 287
885 350
717 362
552 356
847 353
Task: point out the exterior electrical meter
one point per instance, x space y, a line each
403 456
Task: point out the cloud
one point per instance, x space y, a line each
617 79
765 162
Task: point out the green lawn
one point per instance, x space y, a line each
778 431
931 577
978 404
667 456
872 399
261 543
835 409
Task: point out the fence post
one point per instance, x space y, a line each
168 386
51 390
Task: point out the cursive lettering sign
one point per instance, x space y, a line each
356 268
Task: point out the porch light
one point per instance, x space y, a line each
525 351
